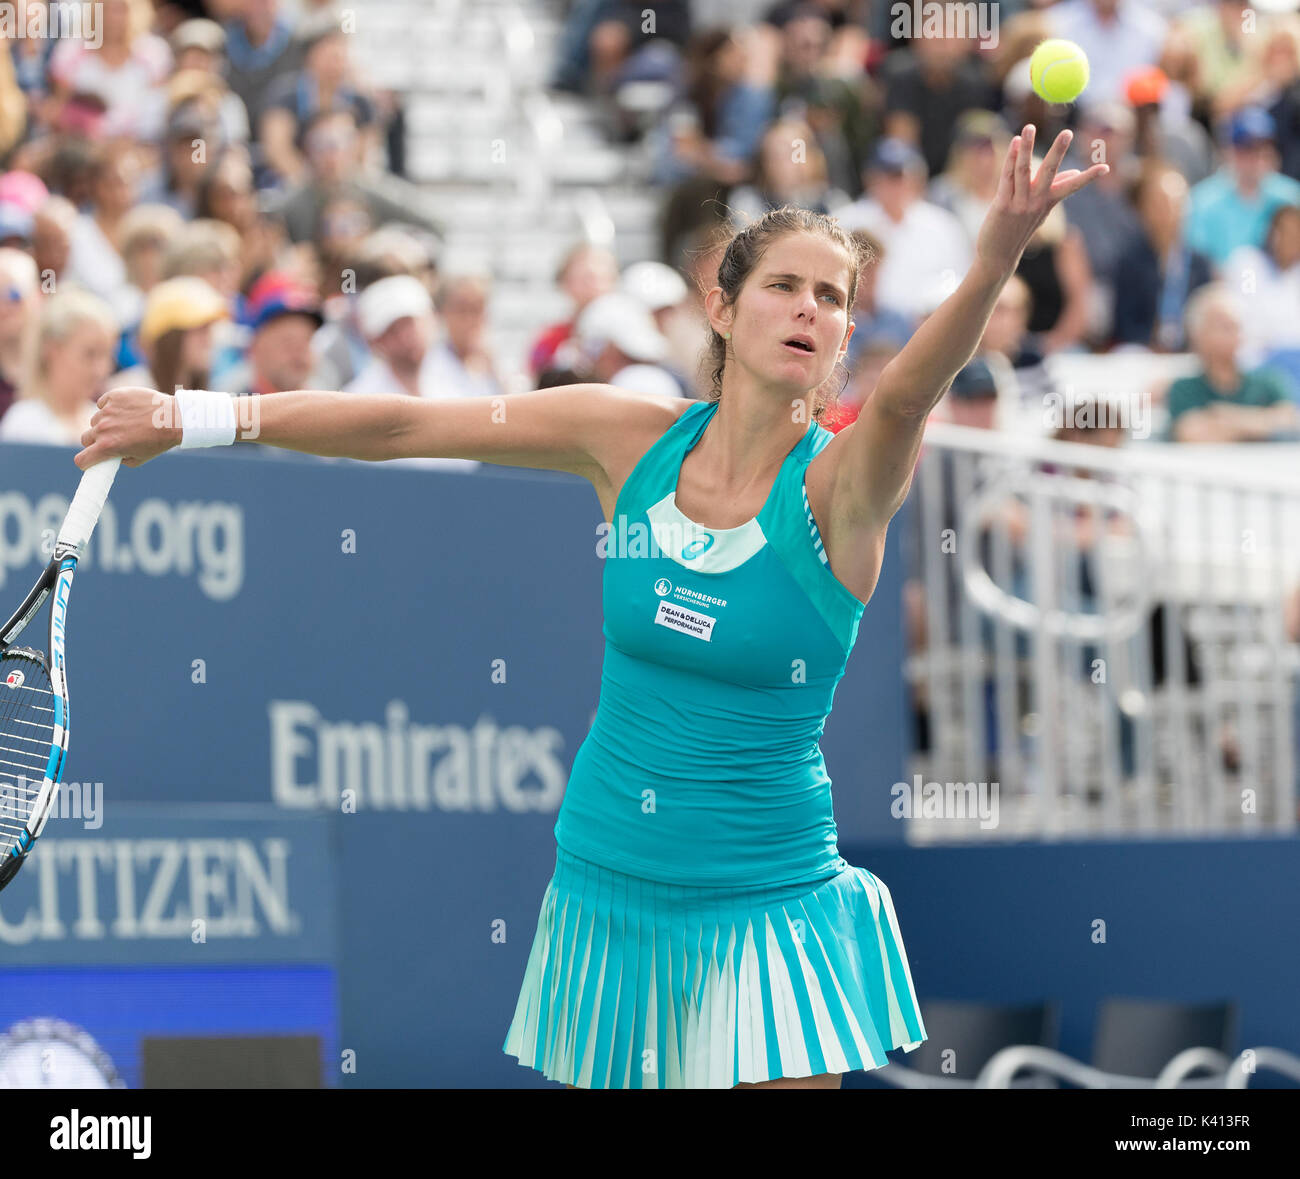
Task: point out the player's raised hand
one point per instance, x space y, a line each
134 424
1023 202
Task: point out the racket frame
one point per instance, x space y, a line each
56 581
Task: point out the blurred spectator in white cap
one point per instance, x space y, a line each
621 345
340 346
462 363
396 318
663 292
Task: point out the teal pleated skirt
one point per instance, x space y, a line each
633 984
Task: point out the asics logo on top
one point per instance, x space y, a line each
696 547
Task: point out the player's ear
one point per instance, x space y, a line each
720 316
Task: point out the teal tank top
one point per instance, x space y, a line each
723 648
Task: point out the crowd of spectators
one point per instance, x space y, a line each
209 194
1189 245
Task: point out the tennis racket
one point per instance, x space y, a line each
34 685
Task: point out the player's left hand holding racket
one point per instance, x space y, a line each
34 685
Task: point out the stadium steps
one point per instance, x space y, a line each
516 173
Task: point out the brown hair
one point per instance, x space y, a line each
744 252
166 367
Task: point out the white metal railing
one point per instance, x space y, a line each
1100 633
1020 1066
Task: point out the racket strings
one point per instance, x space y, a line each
26 740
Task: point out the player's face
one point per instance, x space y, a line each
799 287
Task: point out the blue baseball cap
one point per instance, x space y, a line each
896 155
1250 125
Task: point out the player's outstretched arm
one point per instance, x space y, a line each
874 476
564 429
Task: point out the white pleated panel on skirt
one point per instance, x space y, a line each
636 984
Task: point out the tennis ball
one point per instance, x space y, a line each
1058 71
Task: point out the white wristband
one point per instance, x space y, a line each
207 418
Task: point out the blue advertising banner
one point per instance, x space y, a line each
139 932
192 884
351 636
93 1027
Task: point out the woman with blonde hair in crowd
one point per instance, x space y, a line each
67 370
19 295
176 335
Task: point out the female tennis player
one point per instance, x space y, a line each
701 928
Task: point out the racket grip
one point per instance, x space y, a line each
88 502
